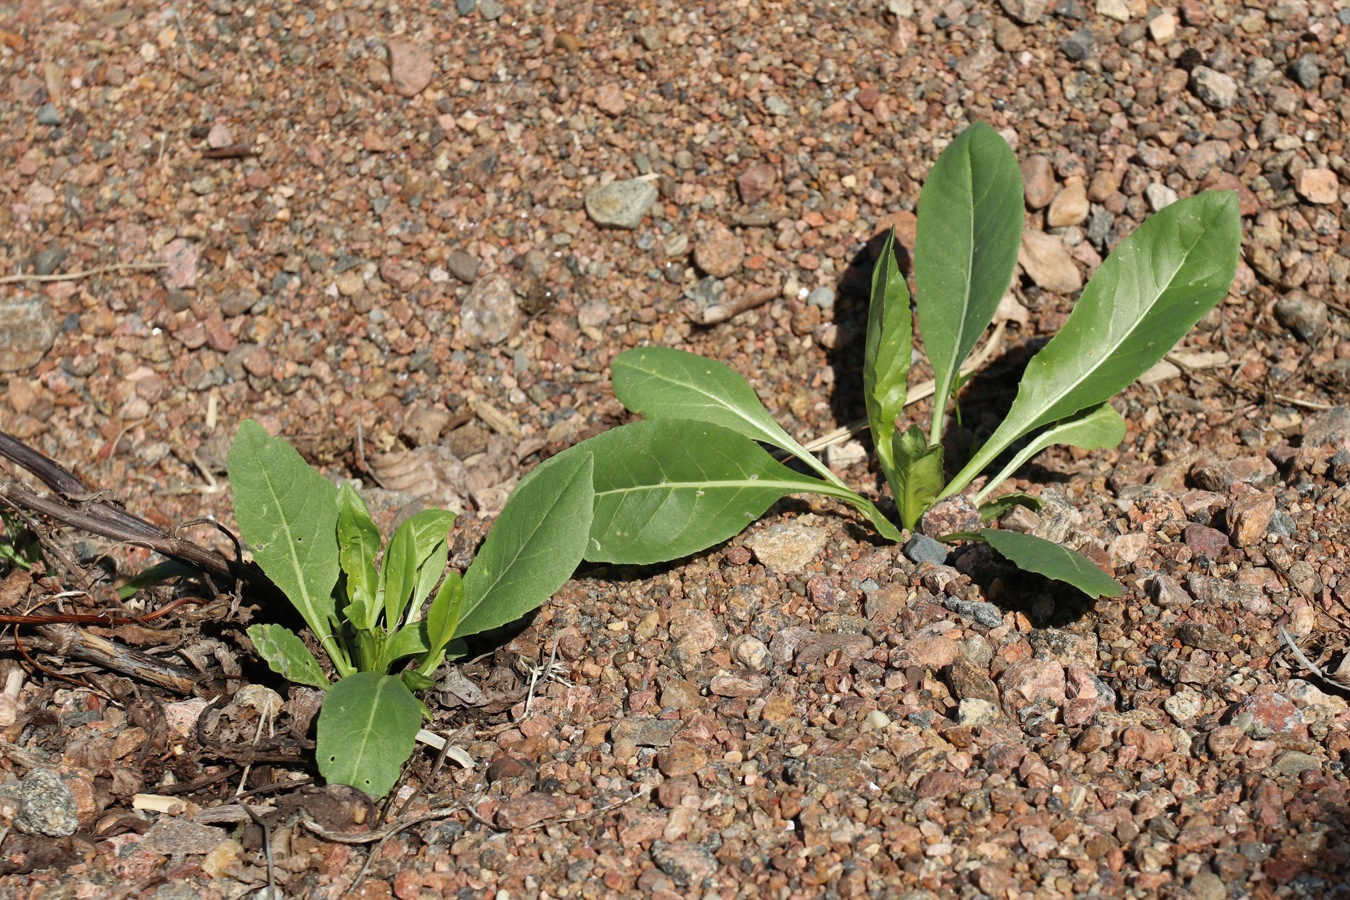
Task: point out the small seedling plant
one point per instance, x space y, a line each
387 614
694 471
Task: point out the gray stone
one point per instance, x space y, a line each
1078 46
621 204
27 331
687 863
491 9
645 732
822 297
1028 12
464 7
463 265
1215 89
490 312
47 261
46 805
1329 428
1305 316
49 115
1293 763
1305 71
236 303
922 548
977 611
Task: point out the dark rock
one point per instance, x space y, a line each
1305 316
922 548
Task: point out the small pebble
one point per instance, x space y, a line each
490 313
922 548
621 204
1215 89
48 115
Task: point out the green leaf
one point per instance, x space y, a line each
1033 554
1143 299
358 545
666 488
443 616
367 730
918 474
287 655
965 247
663 383
890 339
431 537
534 547
288 514
150 576
1095 428
398 573
410 640
995 508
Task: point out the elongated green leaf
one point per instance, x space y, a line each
666 488
890 339
288 514
443 616
358 545
367 730
150 576
398 573
536 544
1052 560
1095 428
918 474
431 529
965 247
287 655
995 508
1142 300
664 383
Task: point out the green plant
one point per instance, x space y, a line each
368 610
694 473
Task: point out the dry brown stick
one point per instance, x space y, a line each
78 506
84 273
82 645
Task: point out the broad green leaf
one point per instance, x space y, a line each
1143 299
918 474
1095 428
534 547
666 488
443 616
890 339
288 514
410 640
358 545
367 730
995 508
965 247
398 573
664 383
1033 554
287 655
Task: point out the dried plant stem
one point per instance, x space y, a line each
85 273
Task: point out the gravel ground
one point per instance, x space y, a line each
412 237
